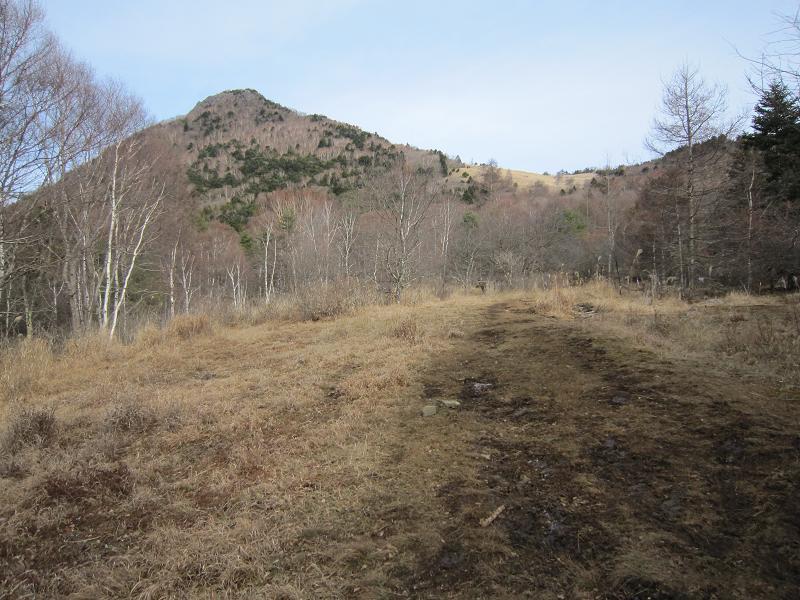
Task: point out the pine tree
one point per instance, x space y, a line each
776 135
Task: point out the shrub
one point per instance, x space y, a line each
23 368
29 427
89 483
408 330
185 327
130 416
149 335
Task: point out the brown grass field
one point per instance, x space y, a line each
526 179
604 447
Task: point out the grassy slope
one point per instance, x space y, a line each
525 179
290 460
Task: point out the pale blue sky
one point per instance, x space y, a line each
535 85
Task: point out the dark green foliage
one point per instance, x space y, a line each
185 125
210 151
287 220
470 220
237 212
616 171
365 161
266 116
337 185
442 163
209 122
260 170
209 179
354 134
776 135
204 217
573 222
267 171
314 118
325 142
267 103
474 194
247 242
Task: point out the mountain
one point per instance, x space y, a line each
237 146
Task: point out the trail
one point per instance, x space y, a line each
621 475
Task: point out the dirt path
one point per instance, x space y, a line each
621 475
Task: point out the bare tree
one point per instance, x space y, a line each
25 94
402 197
348 235
692 112
268 240
780 59
443 226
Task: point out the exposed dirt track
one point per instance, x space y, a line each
621 475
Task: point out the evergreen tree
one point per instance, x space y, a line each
776 135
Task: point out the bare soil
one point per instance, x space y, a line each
622 475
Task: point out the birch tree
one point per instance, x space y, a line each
692 112
133 200
348 228
26 49
402 197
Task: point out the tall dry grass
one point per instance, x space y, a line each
212 461
23 368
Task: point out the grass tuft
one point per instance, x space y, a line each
23 369
408 330
29 427
185 327
130 417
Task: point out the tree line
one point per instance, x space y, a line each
98 227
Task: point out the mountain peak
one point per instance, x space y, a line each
233 99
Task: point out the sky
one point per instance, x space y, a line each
537 85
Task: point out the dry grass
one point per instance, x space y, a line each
185 327
526 179
408 330
757 334
266 460
28 427
23 368
254 454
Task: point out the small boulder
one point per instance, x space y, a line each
620 399
429 410
450 403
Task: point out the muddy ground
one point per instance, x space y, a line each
616 474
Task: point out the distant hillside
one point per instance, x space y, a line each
237 145
523 179
234 148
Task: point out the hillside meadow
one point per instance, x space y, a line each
287 457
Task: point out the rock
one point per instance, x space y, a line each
429 410
620 399
481 388
585 310
451 403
